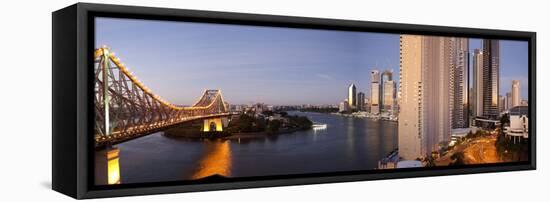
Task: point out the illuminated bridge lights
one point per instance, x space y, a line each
126 108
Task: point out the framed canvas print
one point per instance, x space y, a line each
154 100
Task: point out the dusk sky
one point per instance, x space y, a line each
178 60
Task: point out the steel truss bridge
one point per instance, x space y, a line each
126 109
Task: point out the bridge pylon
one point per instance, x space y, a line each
214 124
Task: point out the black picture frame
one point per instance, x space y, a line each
72 106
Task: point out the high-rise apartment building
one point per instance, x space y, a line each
367 104
375 76
477 90
352 96
501 103
491 77
361 101
388 96
375 92
459 86
385 77
410 90
344 106
509 100
515 93
427 93
437 83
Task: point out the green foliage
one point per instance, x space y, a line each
267 113
504 120
458 158
506 148
300 121
510 151
273 126
246 123
478 133
259 125
283 113
430 161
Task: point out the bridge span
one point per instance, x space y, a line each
126 109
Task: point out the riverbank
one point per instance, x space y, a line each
229 136
194 133
247 126
253 135
382 117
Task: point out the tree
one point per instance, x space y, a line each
283 113
458 158
259 125
430 162
504 120
243 123
300 121
273 126
267 113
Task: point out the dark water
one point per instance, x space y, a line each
347 144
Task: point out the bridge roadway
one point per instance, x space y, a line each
143 130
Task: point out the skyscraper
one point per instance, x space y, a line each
505 102
501 103
344 106
515 93
459 63
478 83
410 90
375 76
470 104
352 96
388 95
361 101
491 60
437 85
367 104
385 77
509 100
375 92
427 94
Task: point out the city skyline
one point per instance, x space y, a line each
320 62
351 100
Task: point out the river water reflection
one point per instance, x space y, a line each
346 144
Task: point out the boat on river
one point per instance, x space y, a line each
319 126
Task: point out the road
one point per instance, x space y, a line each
481 151
476 151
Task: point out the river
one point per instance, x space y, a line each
346 144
